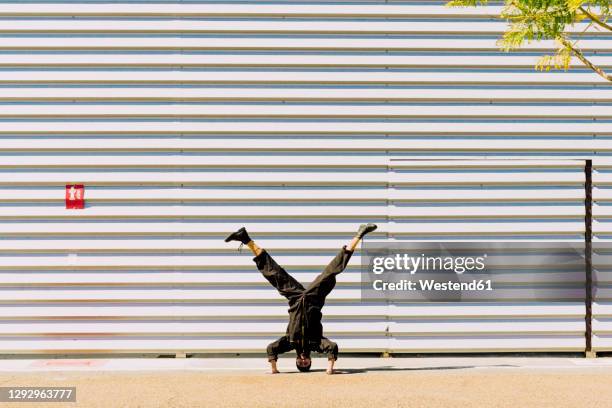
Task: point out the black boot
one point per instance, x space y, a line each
365 229
240 235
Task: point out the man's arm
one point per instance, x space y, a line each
275 348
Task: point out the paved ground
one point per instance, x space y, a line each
362 382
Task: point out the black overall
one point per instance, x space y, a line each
304 331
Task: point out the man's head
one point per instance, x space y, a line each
303 362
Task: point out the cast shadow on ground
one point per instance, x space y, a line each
341 371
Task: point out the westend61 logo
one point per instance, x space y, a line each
473 271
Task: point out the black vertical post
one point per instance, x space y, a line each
588 249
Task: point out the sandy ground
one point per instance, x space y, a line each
395 387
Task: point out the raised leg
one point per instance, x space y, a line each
286 284
325 282
254 248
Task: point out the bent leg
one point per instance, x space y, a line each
277 347
325 282
277 276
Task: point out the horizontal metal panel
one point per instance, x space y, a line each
376 143
127 60
353 111
602 342
296 212
179 228
602 213
476 327
182 261
470 227
246 296
602 163
106 278
118 344
602 325
244 76
160 245
246 212
485 311
234 161
219 261
205 178
187 311
237 194
299 160
490 343
444 311
195 261
306 127
602 177
301 194
265 26
522 276
331 43
485 229
335 177
171 328
154 294
249 328
501 164
294 94
602 308
296 245
176 9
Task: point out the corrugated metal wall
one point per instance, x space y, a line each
602 232
299 120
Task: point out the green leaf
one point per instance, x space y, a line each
574 4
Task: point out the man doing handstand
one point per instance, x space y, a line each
304 331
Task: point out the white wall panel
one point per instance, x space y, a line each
263 26
243 10
358 111
187 120
202 60
382 76
602 231
285 126
70 42
279 94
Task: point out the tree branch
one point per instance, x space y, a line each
595 19
586 62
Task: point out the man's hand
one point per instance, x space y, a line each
274 369
330 366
